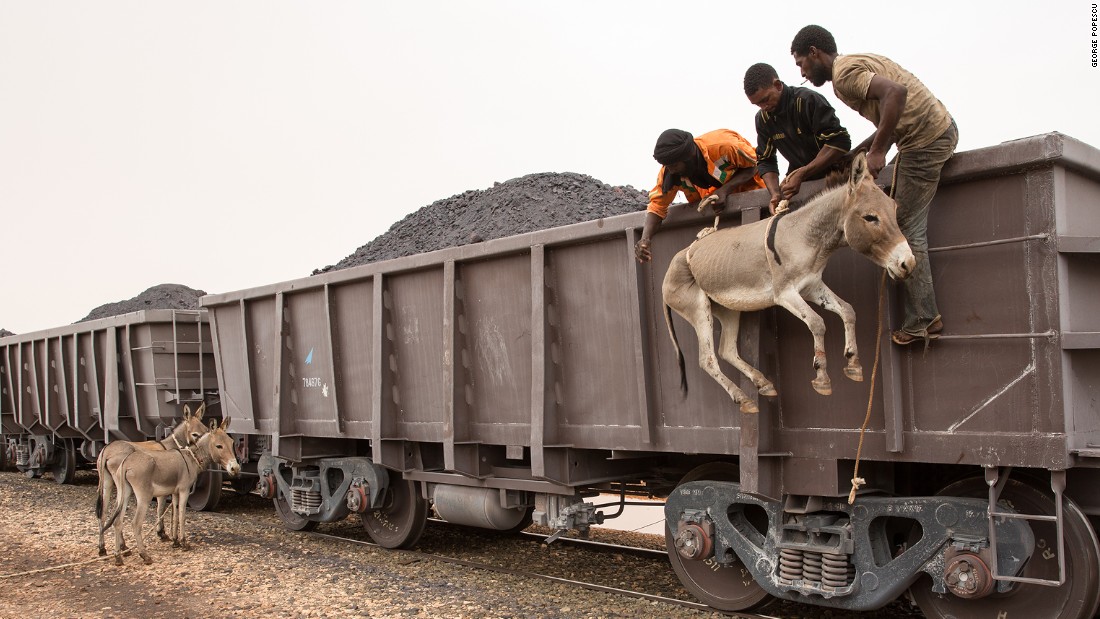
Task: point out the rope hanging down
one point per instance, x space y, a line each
858 481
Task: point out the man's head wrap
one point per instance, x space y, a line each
673 146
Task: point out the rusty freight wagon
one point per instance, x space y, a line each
512 379
65 392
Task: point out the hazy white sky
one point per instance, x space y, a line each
225 145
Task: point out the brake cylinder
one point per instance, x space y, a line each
475 507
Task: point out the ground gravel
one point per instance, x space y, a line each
244 564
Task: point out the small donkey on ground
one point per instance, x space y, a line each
186 433
148 474
779 261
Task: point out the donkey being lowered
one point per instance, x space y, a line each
741 269
148 474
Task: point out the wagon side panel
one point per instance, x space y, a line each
1078 230
354 325
493 369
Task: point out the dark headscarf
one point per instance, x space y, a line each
675 145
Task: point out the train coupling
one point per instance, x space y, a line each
564 513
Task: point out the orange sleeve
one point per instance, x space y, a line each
742 154
739 152
660 201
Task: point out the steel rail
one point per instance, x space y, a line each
565 581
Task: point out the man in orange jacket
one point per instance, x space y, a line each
708 168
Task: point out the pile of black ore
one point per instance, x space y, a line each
524 204
5 333
163 296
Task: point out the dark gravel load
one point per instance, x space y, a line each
5 333
524 204
163 296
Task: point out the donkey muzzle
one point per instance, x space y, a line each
233 468
901 262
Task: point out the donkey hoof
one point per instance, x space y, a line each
855 373
102 552
749 407
176 543
118 560
146 558
823 386
768 391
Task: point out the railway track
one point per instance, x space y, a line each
607 566
418 555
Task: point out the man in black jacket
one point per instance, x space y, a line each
798 123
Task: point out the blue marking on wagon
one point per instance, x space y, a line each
309 357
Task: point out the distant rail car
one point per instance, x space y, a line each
65 392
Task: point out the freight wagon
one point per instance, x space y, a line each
65 392
509 380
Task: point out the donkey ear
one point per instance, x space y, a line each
201 410
859 170
225 423
213 424
186 411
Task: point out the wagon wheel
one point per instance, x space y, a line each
64 470
244 484
207 492
1076 599
291 520
729 587
401 519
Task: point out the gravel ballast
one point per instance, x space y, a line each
244 564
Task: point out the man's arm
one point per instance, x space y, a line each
771 181
825 158
819 119
641 248
767 165
891 97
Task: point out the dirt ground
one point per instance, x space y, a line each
244 564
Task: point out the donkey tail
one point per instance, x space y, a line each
123 497
114 516
679 353
101 469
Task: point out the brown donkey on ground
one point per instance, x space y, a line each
186 432
149 474
779 261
